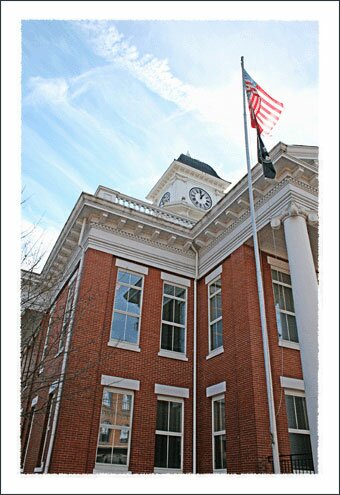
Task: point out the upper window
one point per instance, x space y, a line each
173 318
215 314
127 307
299 434
169 433
284 303
115 426
67 315
218 433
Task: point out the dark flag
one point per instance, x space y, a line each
264 158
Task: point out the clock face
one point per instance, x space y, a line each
200 198
165 199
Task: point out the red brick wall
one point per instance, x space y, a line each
242 367
76 440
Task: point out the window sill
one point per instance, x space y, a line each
111 468
289 345
39 469
173 355
124 345
158 470
220 471
215 352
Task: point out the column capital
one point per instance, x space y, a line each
294 210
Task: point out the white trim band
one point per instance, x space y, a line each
168 277
34 401
116 381
217 389
172 391
132 266
281 265
53 387
215 273
293 383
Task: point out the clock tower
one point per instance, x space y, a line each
188 188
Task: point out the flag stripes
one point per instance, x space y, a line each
264 109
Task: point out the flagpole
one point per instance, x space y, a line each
269 384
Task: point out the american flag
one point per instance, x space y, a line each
264 110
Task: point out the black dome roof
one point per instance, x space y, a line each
201 166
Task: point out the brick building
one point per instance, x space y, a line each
149 356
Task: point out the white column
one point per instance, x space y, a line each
305 293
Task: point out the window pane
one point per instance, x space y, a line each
104 455
118 326
123 415
121 297
290 411
168 309
179 312
180 292
216 335
219 415
123 277
175 417
120 449
169 289
166 337
301 412
216 307
134 298
131 331
105 436
162 415
299 443
215 286
275 275
288 295
161 450
291 322
174 452
109 408
127 299
284 326
178 343
220 452
136 279
284 278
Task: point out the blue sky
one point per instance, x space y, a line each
114 102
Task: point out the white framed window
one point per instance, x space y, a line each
298 428
127 307
284 306
50 324
113 448
174 317
215 314
27 440
169 434
67 313
46 431
218 433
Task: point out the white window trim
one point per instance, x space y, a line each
217 389
175 279
214 274
289 344
291 384
117 468
214 352
40 469
65 328
167 352
119 383
171 392
132 267
158 470
297 393
41 369
33 404
124 344
216 433
277 264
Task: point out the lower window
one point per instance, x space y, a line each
301 460
169 434
115 428
218 433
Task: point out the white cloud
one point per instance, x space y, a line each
50 90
